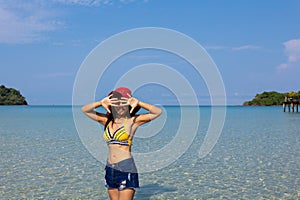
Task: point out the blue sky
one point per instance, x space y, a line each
255 45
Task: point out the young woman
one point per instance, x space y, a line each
120 123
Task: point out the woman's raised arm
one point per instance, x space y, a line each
89 110
154 111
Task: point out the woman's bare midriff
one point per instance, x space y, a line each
118 153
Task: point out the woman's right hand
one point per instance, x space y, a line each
107 102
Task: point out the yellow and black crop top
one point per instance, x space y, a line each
120 136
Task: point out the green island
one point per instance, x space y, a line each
272 98
11 96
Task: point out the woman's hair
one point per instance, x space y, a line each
110 116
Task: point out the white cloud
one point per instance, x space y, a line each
240 48
29 21
292 50
85 2
24 22
95 2
246 47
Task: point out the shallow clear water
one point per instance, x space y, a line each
256 157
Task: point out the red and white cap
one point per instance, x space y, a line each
123 91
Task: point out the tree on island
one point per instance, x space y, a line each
11 96
271 98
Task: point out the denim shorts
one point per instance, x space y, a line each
121 175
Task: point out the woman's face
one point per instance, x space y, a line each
120 110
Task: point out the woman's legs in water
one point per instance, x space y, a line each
115 194
126 194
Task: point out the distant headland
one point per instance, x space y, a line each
11 96
271 98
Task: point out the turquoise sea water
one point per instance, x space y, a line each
256 157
